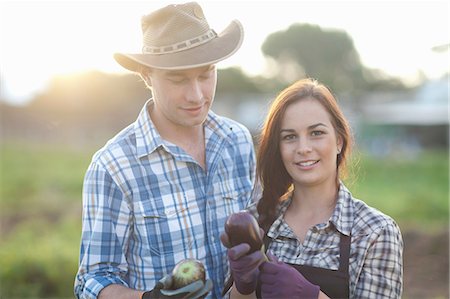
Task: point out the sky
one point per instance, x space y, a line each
41 39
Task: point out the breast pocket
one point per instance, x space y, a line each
230 201
324 254
172 225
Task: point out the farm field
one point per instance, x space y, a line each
40 212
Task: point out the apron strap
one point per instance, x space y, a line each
344 251
344 248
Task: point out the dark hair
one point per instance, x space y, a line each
275 180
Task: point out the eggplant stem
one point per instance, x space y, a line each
263 251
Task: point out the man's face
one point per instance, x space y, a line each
182 97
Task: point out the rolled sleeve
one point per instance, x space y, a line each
91 288
104 234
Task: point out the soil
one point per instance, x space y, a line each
426 265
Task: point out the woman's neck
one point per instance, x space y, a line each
309 207
314 200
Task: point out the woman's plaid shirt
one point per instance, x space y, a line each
147 205
376 263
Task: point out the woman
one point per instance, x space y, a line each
327 243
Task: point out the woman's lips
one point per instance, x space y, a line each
307 164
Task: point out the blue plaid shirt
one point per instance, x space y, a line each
147 205
376 262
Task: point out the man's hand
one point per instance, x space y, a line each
163 290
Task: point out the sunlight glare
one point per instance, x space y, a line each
42 38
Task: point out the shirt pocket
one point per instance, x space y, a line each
325 254
232 201
172 225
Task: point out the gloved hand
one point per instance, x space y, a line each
244 267
162 290
279 280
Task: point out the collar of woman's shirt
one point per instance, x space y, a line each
341 219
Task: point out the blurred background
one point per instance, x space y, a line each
62 96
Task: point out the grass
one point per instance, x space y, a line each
33 173
40 209
40 212
414 191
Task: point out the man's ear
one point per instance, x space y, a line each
145 73
148 81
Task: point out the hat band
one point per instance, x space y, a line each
181 46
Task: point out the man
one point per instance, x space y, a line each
161 190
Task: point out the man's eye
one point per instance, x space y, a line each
177 80
205 76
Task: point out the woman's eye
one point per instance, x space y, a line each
317 133
288 137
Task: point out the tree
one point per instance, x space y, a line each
234 80
305 50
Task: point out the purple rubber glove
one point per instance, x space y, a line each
279 280
244 267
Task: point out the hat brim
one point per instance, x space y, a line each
223 46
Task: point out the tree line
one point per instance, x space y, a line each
92 104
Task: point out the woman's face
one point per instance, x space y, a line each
308 144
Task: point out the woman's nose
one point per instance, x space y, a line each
303 146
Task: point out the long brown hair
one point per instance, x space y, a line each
275 180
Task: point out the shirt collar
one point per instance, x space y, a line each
343 214
342 217
279 227
148 138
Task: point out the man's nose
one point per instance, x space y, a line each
194 92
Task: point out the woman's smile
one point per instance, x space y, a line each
307 164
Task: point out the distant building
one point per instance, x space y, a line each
384 123
427 106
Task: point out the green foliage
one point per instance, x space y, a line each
329 55
39 259
234 80
414 191
36 175
40 209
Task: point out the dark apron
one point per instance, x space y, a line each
334 283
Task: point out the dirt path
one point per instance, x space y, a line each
426 265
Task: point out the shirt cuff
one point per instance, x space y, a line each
95 284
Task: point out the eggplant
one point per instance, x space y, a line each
242 227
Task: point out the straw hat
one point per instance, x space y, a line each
179 37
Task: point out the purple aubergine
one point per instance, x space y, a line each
242 227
